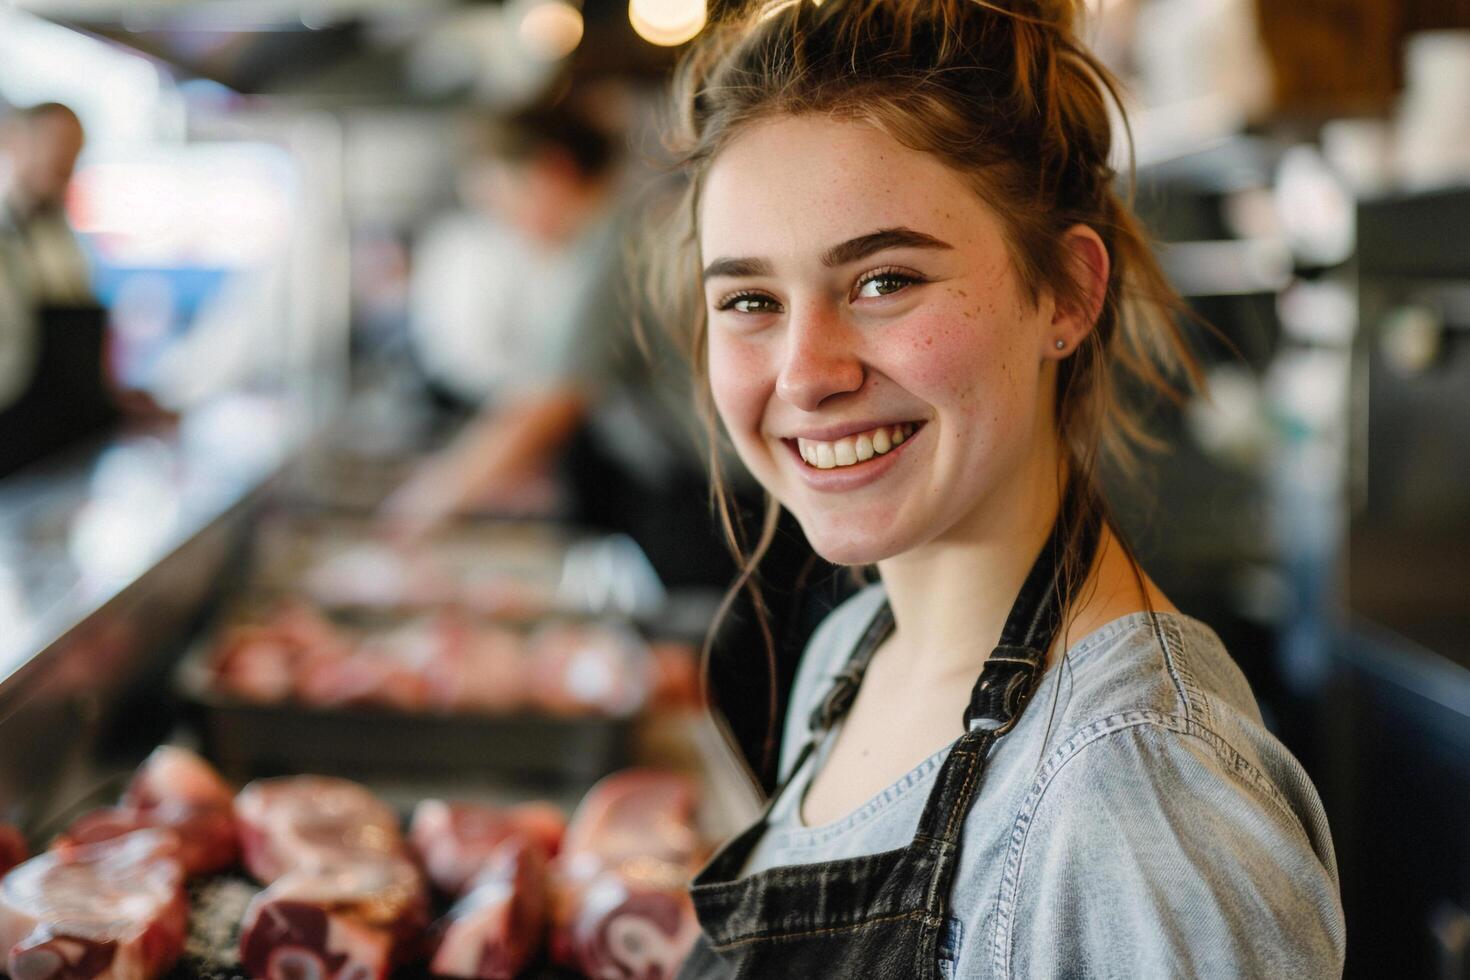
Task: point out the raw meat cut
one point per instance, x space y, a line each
544 823
620 906
637 813
175 774
306 821
446 662
349 921
265 662
208 841
630 922
496 928
367 678
344 900
476 668
588 669
454 840
114 910
177 790
13 848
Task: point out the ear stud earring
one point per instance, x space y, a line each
1061 344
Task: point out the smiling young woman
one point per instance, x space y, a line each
910 288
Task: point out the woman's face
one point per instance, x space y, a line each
855 287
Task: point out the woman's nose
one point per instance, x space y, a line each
821 358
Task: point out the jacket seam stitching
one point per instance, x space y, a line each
1096 731
1172 644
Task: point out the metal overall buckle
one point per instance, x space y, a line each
1005 685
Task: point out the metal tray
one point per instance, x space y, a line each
248 740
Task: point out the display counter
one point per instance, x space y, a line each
106 557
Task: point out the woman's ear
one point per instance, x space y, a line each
1071 322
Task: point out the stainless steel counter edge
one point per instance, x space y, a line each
61 702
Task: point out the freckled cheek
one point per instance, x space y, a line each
741 383
949 360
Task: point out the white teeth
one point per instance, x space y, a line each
853 449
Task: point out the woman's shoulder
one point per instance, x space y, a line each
1160 790
1168 678
1166 662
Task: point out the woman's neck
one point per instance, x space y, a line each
950 597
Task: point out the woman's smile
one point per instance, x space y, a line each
853 460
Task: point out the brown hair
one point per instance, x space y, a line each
521 136
1006 95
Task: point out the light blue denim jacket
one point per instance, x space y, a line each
1151 827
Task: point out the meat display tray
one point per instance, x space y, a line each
249 741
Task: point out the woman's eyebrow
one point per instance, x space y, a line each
738 268
865 245
841 254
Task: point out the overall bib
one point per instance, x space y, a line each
880 916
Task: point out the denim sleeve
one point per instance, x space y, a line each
1149 848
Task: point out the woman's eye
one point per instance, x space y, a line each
883 283
748 303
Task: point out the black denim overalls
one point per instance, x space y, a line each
879 916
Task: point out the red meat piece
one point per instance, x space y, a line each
544 823
352 921
114 910
637 813
306 821
208 841
580 669
173 789
634 921
367 678
454 840
496 928
172 774
476 668
620 887
266 662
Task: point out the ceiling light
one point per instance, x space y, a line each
667 22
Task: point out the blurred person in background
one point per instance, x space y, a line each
42 144
514 312
53 389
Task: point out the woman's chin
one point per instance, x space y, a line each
851 546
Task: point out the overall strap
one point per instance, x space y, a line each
835 705
839 697
1015 666
1010 676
